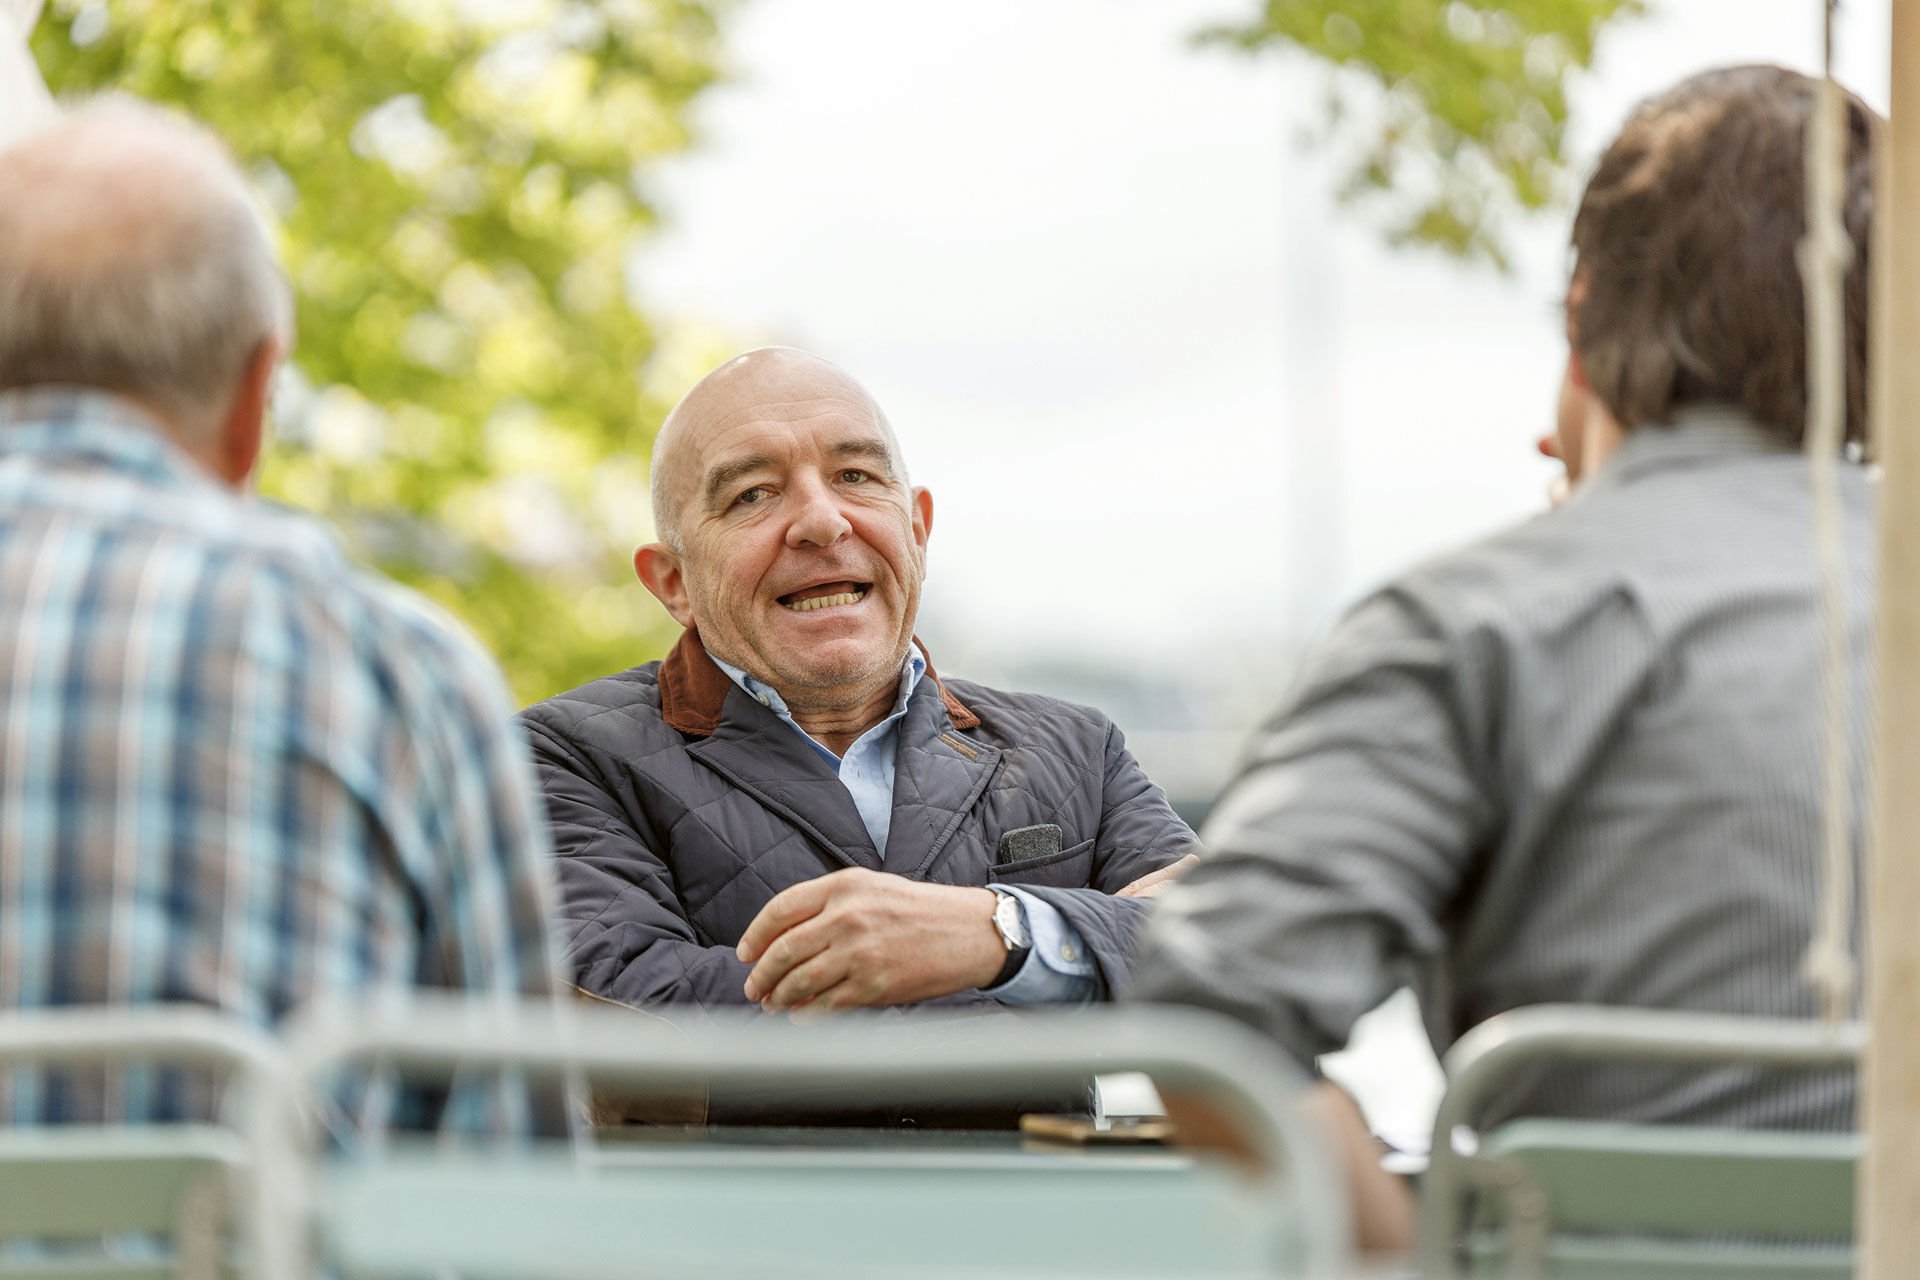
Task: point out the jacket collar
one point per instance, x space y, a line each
693 689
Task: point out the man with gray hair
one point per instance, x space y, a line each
234 769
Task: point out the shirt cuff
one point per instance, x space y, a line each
1058 969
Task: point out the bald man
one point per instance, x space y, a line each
793 810
234 769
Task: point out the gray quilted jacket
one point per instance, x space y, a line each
680 806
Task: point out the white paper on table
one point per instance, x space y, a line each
1124 1095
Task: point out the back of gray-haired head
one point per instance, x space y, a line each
132 260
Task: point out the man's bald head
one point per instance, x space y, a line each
739 388
132 261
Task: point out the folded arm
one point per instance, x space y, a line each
855 938
1140 841
626 934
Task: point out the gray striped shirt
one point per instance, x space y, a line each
1579 761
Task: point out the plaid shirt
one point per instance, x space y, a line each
234 769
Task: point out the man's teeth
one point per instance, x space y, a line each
826 602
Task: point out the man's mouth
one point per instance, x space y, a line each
825 595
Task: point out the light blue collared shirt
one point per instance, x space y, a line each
1058 969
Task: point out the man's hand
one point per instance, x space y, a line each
1383 1206
859 937
1154 883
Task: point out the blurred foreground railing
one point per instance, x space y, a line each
873 1209
186 1187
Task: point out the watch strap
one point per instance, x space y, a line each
1016 957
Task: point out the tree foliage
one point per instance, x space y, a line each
1459 107
455 185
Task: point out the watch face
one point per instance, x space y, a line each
1012 922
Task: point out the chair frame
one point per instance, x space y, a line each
255 1103
1487 1057
1181 1049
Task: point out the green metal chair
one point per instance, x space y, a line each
137 1201
799 1203
1591 1200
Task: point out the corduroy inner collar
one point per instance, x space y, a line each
693 689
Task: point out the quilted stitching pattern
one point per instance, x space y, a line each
670 843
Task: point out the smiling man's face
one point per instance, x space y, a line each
801 546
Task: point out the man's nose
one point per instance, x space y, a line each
817 518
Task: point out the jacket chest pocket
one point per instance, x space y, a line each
1070 868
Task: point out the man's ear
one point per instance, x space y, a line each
1577 371
243 432
1576 298
922 502
659 568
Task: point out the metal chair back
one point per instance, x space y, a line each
1572 1199
140 1201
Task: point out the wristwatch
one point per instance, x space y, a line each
1010 918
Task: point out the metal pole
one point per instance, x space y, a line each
1826 255
1890 1096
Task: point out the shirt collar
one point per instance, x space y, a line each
94 427
693 688
1698 433
769 697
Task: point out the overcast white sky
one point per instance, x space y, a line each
1165 392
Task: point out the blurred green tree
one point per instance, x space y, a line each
456 187
1459 107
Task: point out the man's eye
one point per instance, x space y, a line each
853 475
751 496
